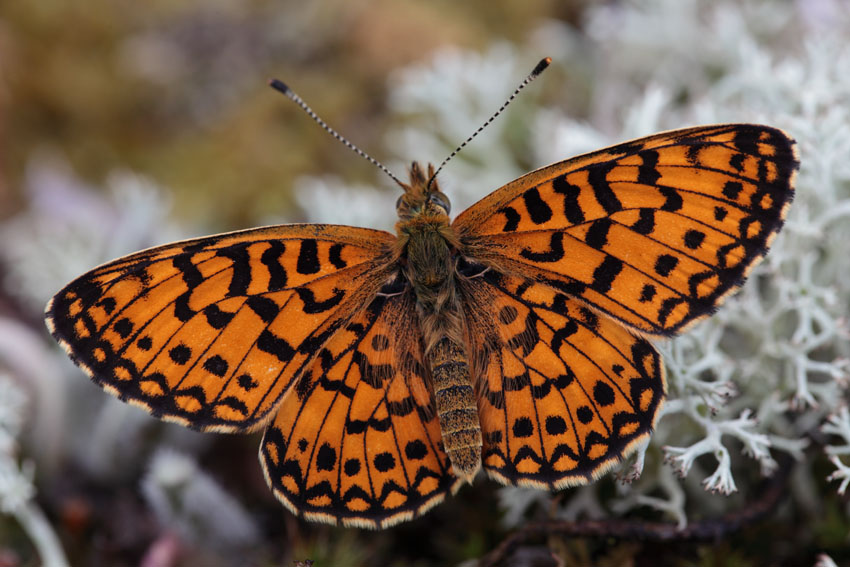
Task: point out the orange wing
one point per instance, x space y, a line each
653 232
357 440
211 332
563 393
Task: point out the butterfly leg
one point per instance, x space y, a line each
456 407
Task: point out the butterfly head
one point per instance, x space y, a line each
422 196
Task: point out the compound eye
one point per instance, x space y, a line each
441 201
398 202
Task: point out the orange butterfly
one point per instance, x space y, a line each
387 369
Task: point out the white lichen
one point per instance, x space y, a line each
16 478
825 560
70 227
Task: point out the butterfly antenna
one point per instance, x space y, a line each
290 94
539 68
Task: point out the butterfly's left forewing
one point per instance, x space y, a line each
211 332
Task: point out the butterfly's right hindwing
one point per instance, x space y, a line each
565 393
211 332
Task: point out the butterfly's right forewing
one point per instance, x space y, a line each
655 232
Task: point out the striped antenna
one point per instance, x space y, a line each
539 68
290 94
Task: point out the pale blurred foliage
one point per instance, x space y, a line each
189 502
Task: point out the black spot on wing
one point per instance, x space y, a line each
553 254
647 293
572 210
265 308
274 345
665 264
384 461
308 257
312 305
124 327
597 176
732 189
271 259
240 279
737 161
603 394
108 304
512 219
188 271
647 172
326 458
597 233
247 382
415 450
694 239
537 208
645 223
180 354
746 140
181 307
555 425
216 365
673 200
216 318
335 256
523 427
604 274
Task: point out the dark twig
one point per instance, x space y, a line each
705 530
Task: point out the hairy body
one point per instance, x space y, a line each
428 249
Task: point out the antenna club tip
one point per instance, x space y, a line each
545 62
279 85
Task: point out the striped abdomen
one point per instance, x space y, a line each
456 407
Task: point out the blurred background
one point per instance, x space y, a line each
124 125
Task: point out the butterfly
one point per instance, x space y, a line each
388 369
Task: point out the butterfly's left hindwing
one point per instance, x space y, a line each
357 441
211 332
